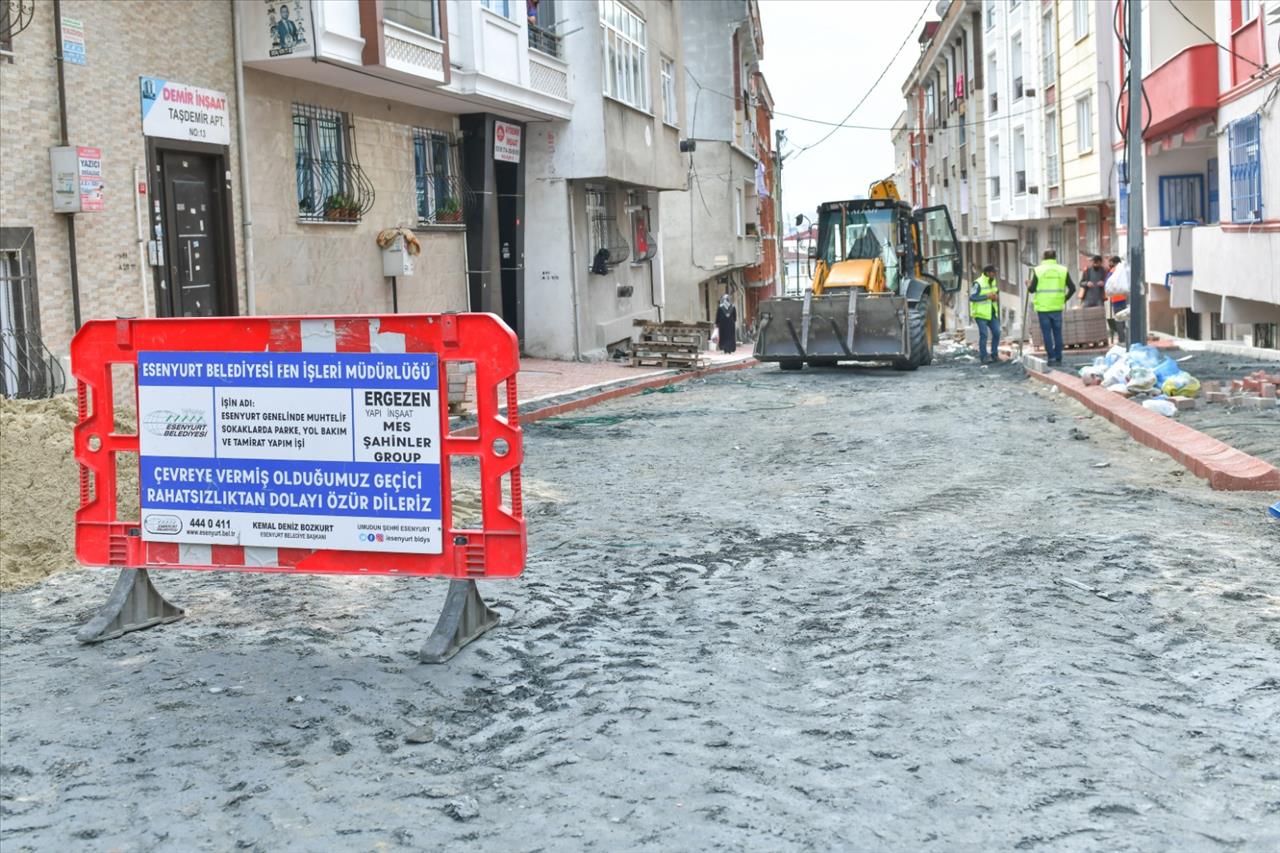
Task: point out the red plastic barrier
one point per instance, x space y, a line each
496 550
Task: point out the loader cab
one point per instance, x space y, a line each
865 243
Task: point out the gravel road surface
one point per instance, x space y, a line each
847 609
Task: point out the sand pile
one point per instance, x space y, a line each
39 489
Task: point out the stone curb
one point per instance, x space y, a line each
1226 468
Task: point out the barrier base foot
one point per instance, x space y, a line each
134 604
465 616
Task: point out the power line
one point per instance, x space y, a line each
888 65
1262 67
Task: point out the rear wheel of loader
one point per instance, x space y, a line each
792 364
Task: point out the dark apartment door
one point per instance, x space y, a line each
195 281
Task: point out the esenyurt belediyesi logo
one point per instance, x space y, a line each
187 423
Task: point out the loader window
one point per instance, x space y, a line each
867 234
939 249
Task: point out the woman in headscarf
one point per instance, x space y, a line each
727 323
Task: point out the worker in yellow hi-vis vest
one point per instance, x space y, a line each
984 308
1051 287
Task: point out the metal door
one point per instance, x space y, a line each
192 217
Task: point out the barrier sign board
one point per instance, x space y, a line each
293 450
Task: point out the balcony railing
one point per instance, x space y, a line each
545 41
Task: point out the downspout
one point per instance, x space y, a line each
573 273
62 126
242 140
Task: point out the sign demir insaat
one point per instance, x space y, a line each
506 142
291 450
178 111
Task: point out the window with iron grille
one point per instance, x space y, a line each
330 184
438 186
27 368
542 30
608 246
1244 139
1055 240
1181 199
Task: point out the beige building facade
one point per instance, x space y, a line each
126 240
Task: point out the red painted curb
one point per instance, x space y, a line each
1225 468
614 393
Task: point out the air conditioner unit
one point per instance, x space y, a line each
1033 190
1029 93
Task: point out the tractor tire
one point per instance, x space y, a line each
792 364
918 334
823 362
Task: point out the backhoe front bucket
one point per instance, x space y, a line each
841 325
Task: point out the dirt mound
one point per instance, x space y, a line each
39 489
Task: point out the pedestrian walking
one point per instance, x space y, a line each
727 324
1118 292
984 307
1093 283
1051 287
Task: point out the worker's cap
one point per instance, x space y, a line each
989 268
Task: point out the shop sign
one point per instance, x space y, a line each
178 111
506 142
73 41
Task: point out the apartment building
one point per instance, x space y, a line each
946 94
1022 142
1211 169
1083 98
120 171
712 238
367 115
594 237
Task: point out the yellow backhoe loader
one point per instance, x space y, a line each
879 272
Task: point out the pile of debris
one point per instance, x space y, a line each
1258 390
1142 371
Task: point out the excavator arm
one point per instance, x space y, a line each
884 188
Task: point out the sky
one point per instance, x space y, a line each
820 58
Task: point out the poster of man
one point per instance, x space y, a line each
285 27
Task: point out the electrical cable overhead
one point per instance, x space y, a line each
1262 67
888 65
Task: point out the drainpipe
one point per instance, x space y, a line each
242 141
62 126
573 274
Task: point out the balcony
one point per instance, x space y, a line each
1181 90
411 53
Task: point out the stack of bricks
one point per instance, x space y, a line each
1258 390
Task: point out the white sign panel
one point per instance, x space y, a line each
178 111
291 450
506 142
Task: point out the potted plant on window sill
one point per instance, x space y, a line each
449 212
340 207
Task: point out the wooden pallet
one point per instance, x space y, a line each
667 360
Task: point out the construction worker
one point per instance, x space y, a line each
1051 286
984 307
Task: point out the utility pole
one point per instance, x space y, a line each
1133 145
781 242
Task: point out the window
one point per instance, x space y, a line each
1092 231
739 226
929 111
439 196
417 15
991 13
502 7
608 246
626 61
1248 8
1181 199
1019 162
1244 141
669 112
1015 65
1080 12
1032 240
1055 240
27 368
1051 149
542 30
1084 123
330 185
646 248
1211 182
995 164
991 82
1122 206
1049 44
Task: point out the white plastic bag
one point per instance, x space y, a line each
1116 374
1141 379
1092 374
715 336
1116 353
1163 407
